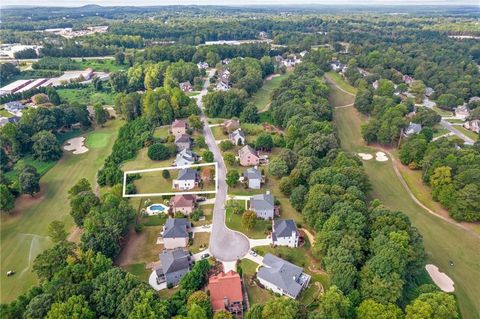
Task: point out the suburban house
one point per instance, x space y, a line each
237 137
462 112
473 126
248 156
226 292
253 178
474 99
175 233
412 129
185 157
174 265
182 142
337 66
202 65
282 277
179 127
186 86
285 233
429 91
187 179
263 205
223 85
15 107
231 125
407 79
184 203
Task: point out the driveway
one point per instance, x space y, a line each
225 244
198 256
256 259
260 242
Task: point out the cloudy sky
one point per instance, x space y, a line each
76 3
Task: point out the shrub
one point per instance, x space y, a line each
158 152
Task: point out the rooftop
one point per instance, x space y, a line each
262 202
174 260
187 174
284 227
176 227
225 286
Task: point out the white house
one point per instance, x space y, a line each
237 137
253 178
187 179
263 205
185 157
462 112
285 233
175 233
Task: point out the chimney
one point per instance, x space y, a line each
225 301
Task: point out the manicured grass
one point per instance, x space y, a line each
102 65
139 270
255 293
439 131
86 95
142 161
234 221
472 135
337 78
262 97
200 242
217 132
42 167
443 241
5 113
24 232
97 140
455 121
442 112
161 132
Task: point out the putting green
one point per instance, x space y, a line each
98 140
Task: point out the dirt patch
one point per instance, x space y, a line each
441 279
271 76
76 145
140 248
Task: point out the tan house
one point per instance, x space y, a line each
179 127
184 204
231 125
248 156
473 126
175 233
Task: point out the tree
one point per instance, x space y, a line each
56 231
101 115
447 101
83 185
53 96
278 168
7 200
280 308
119 58
250 114
418 88
255 312
166 174
158 152
40 98
249 219
229 158
333 304
433 305
76 307
370 309
232 178
264 142
29 180
52 260
223 314
212 58
119 81
207 156
39 306
385 88
200 142
195 122
81 205
196 312
200 298
226 145
145 304
46 147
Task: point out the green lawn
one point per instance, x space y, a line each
102 65
234 221
200 242
443 241
337 78
255 293
5 113
23 234
442 112
439 131
472 135
161 132
86 96
261 98
218 133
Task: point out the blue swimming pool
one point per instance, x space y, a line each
158 208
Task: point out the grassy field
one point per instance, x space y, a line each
261 98
200 242
24 232
234 221
472 135
442 112
86 96
102 65
255 293
443 241
161 132
5 113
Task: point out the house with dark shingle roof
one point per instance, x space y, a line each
282 277
253 177
176 233
182 142
263 205
174 265
226 292
285 233
187 179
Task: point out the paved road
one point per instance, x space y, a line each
225 244
452 129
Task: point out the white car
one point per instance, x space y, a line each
253 253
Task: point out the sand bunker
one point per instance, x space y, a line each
381 157
271 76
76 145
440 279
365 156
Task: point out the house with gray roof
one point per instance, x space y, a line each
188 178
186 157
182 142
174 265
253 177
176 233
285 233
263 205
282 277
237 137
14 107
412 129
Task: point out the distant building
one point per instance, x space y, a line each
282 277
462 112
237 137
473 126
175 233
248 156
183 203
407 79
202 65
285 233
14 107
231 125
429 91
179 127
412 129
263 35
223 85
263 205
174 265
14 87
375 84
186 86
182 142
226 293
185 157
187 179
253 178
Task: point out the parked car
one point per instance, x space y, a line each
253 253
205 256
